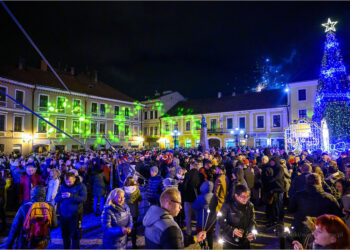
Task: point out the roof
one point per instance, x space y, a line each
80 83
254 100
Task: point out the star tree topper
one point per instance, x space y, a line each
330 26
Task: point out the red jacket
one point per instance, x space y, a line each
24 190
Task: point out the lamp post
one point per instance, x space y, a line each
237 132
175 135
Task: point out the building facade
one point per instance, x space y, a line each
92 111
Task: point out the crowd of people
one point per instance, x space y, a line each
218 188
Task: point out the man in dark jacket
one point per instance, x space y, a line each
298 183
161 230
237 220
190 189
154 187
16 234
312 201
70 197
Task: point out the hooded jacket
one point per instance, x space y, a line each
38 194
161 230
71 206
201 204
113 219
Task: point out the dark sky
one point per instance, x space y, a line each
197 48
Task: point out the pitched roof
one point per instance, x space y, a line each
78 83
255 100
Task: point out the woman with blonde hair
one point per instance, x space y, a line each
116 221
52 185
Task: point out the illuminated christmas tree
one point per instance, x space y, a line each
333 95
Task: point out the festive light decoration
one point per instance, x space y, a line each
330 26
303 135
333 94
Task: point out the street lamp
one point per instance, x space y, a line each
175 135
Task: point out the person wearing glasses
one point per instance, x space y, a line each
237 220
161 230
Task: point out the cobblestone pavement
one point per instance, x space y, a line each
92 234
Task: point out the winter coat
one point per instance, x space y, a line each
113 219
276 182
287 178
220 191
346 204
298 184
17 172
98 184
132 199
191 185
236 215
154 188
73 205
201 204
161 230
249 177
52 189
25 185
16 234
312 201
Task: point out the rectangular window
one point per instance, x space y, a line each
188 125
76 127
155 130
276 121
76 106
260 142
43 102
301 94
197 143
230 143
260 121
127 130
61 103
155 114
93 128
127 112
102 109
188 143
18 124
145 115
213 124
242 122
2 122
151 131
302 113
42 126
116 130
166 127
198 125
145 131
19 98
151 114
60 125
176 126
3 97
102 128
229 124
94 107
116 110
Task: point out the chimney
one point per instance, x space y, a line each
233 93
72 71
21 64
219 95
43 65
96 76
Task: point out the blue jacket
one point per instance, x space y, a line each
69 206
154 188
201 204
113 220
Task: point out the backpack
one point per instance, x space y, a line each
37 225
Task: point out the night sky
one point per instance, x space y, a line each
197 48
